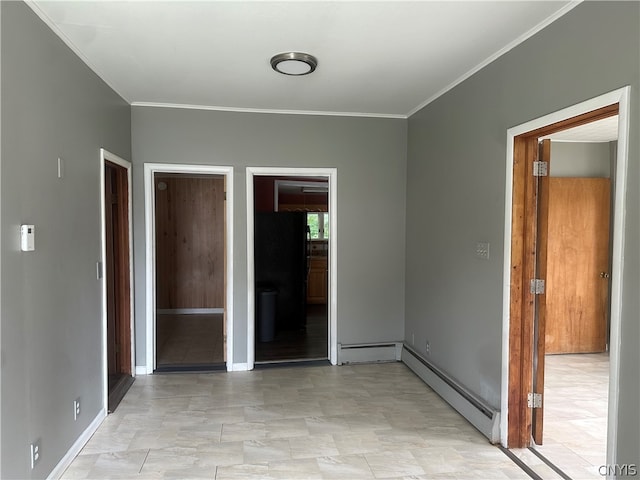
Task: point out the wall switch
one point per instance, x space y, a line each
482 250
35 453
76 408
60 168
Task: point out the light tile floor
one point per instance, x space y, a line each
350 422
575 413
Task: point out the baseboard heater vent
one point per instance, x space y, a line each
369 352
482 416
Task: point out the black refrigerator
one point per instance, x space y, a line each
281 259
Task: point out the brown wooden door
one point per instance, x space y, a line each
117 271
540 299
578 265
111 206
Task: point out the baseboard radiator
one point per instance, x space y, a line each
369 352
482 416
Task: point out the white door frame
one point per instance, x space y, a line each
106 156
150 169
332 175
620 96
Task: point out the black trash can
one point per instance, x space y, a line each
266 308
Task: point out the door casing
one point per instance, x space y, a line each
516 360
150 169
106 156
332 175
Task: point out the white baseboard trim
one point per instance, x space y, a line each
142 370
237 367
77 446
369 352
189 311
482 416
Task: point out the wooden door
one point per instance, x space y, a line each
540 298
578 265
117 275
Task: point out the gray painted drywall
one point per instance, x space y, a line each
574 159
370 157
52 106
456 189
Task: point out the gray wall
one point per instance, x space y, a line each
456 189
370 155
52 106
578 159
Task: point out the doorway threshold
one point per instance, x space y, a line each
191 368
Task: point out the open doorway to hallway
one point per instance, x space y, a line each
291 252
543 340
581 179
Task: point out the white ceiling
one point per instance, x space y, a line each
605 130
380 58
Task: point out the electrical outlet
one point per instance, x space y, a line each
427 347
76 408
36 452
413 339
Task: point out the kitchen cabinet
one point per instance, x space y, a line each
317 281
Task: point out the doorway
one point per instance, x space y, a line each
526 299
189 268
291 277
189 271
116 207
291 235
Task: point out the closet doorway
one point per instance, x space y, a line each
189 310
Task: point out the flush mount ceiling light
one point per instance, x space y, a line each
294 63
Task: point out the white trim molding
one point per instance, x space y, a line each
332 175
78 445
621 97
150 169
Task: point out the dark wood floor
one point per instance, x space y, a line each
301 344
189 340
195 341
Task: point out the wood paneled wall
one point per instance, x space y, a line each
189 241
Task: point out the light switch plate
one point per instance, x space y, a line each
482 250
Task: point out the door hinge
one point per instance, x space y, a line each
540 169
225 196
536 286
534 400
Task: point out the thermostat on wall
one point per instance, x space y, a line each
27 238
